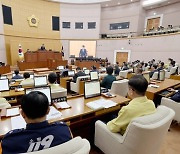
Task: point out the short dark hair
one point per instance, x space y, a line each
16 72
78 68
52 77
94 67
109 70
162 64
139 84
67 66
26 75
35 104
155 66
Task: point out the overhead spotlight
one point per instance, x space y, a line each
154 13
107 5
131 0
119 3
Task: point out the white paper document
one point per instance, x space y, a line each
12 112
53 113
101 103
153 85
63 105
18 122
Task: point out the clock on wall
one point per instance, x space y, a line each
33 21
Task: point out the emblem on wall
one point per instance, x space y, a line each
33 21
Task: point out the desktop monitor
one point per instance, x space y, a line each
60 67
3 77
40 81
147 77
94 76
86 71
4 84
92 89
71 73
46 90
32 76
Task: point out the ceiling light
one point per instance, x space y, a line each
107 5
154 13
119 3
131 0
152 2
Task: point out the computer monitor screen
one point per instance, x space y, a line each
40 81
32 76
71 73
3 77
4 84
147 77
87 72
92 89
46 90
60 67
94 75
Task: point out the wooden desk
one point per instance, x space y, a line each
63 81
78 113
175 77
5 69
87 64
167 83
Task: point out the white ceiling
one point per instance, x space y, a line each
109 3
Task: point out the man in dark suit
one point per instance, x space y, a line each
108 80
79 73
43 47
83 52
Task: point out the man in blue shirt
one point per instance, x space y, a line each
83 52
38 134
17 76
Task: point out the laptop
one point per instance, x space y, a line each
40 81
86 71
4 85
45 89
3 77
71 73
92 89
94 76
60 67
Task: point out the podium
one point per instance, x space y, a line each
41 55
41 59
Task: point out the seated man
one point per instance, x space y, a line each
27 82
154 69
38 134
64 72
4 103
138 106
108 80
176 95
79 73
116 70
94 69
17 76
52 78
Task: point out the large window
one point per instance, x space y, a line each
7 15
91 25
66 25
123 25
79 25
55 23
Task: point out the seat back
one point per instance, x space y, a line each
155 76
145 134
120 87
173 70
162 75
75 146
123 73
173 105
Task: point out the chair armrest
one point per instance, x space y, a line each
101 128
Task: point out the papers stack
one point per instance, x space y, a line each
18 122
62 105
12 112
153 85
100 104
